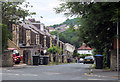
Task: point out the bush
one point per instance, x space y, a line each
54 50
4 37
75 54
83 55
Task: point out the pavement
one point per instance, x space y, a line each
18 66
103 73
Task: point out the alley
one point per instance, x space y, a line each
74 71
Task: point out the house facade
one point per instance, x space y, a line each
69 49
29 39
84 49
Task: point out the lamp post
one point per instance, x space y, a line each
57 46
117 45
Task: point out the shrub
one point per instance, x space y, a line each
54 50
4 37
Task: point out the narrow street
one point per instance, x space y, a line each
74 71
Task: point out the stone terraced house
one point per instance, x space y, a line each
30 39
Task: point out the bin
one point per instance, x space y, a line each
99 61
45 60
68 60
35 59
41 60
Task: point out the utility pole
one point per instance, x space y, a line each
57 46
117 44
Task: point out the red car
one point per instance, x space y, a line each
16 55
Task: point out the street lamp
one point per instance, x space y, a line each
117 44
57 45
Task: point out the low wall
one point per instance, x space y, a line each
7 58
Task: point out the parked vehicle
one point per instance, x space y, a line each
16 55
80 60
89 59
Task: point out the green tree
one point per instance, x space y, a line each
54 33
97 22
54 50
11 13
75 54
70 36
4 37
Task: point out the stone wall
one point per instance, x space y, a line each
113 60
7 59
51 58
65 59
11 44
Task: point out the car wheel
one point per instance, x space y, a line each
17 62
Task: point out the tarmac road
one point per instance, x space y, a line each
74 71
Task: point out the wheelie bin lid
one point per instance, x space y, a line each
35 55
98 55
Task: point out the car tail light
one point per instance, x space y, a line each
84 59
14 55
91 59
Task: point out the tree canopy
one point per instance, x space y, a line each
98 21
12 13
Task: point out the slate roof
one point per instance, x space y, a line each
28 25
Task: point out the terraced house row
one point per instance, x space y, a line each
30 37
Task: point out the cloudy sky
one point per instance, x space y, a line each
45 9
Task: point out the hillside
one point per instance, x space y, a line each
74 21
68 33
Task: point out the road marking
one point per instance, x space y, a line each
94 79
51 73
10 74
29 75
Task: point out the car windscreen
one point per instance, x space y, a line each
88 58
17 54
15 51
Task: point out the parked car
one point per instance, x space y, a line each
80 60
16 55
88 59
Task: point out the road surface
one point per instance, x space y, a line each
74 71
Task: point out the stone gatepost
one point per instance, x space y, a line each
65 59
60 59
51 56
113 60
7 58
